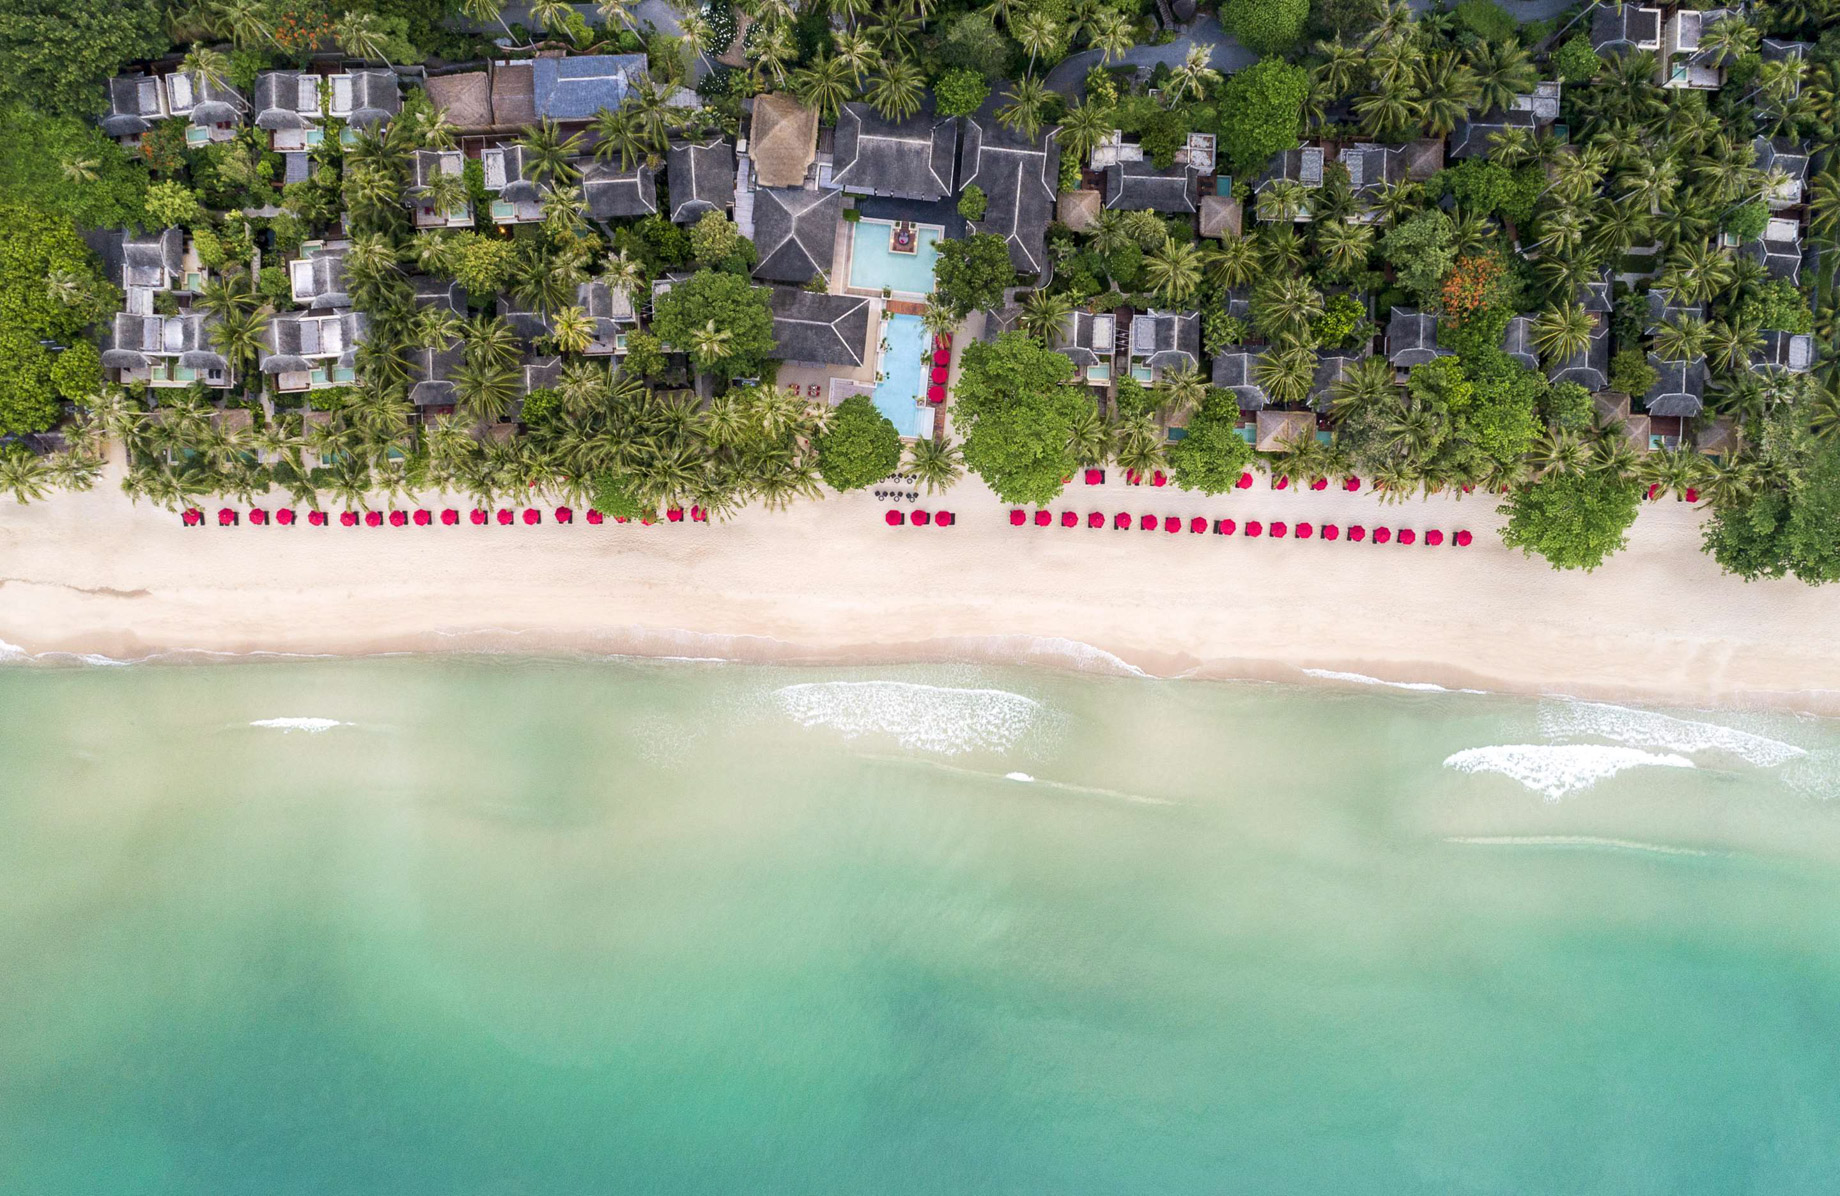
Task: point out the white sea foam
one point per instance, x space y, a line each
1559 769
1051 650
1017 776
1573 841
1646 728
1364 679
312 726
925 717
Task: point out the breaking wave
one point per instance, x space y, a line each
1645 728
1558 769
1582 841
927 718
312 726
1364 679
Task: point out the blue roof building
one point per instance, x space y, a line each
578 88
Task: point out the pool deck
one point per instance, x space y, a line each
844 252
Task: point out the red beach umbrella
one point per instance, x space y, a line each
1278 529
1254 528
1245 482
191 517
1356 533
1433 538
1331 532
1146 523
316 518
1692 494
1131 477
1121 522
1225 527
505 517
921 518
1096 519
285 516
373 519
1095 476
225 517
1351 484
532 516
398 519
564 515
1043 518
1157 479
258 516
935 394
1280 482
939 375
1018 517
1407 536
1320 484
594 517
1197 526
943 340
1654 488
942 356
421 518
450 517
894 519
1463 539
675 514
1171 524
1069 519
1382 535
478 517
348 519
944 519
1305 531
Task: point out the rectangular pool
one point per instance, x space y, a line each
903 366
874 266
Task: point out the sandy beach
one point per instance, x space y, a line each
95 574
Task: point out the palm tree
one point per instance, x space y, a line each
1563 332
486 10
237 335
1283 201
1110 34
210 67
25 476
1183 389
897 91
490 343
571 330
359 35
486 390
709 343
1089 441
1232 263
1138 445
856 51
1193 75
1286 373
1450 90
1043 313
1696 272
1366 386
773 49
616 12
1027 97
1174 270
1084 127
547 152
1728 39
1342 64
935 464
1730 343
244 22
1283 306
1344 246
1502 72
1038 32
1682 338
825 85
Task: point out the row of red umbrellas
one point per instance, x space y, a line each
920 518
505 517
942 360
1253 528
1690 494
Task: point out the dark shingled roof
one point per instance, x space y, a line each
795 232
1020 178
286 100
1680 388
293 341
438 292
542 372
1517 342
611 191
1140 186
909 159
702 178
1331 368
375 97
820 329
1627 28
577 88
431 372
1371 167
1084 338
1411 338
134 104
152 261
1475 138
134 341
1784 351
1591 368
323 284
1166 340
1781 256
1237 370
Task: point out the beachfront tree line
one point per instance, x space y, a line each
1515 232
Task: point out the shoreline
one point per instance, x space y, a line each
92 578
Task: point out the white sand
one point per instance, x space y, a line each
92 573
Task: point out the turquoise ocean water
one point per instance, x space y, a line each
490 926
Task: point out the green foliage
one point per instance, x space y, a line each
644 355
171 204
1574 520
33 244
716 241
614 498
483 264
972 203
658 244
1576 61
1487 187
55 54
34 151
860 448
541 407
1502 415
1568 405
1263 113
1218 329
737 307
1422 250
272 284
960 92
1747 221
1347 19
1777 305
1342 315
972 274
1631 373
1213 454
1162 135
1017 412
1786 526
1125 266
28 401
77 371
1266 26
1487 20
1133 397
972 43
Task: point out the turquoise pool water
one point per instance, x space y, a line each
873 267
905 371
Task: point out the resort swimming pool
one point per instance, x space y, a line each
896 394
873 266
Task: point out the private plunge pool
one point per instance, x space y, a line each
903 370
875 263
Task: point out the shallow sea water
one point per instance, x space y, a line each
472 925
